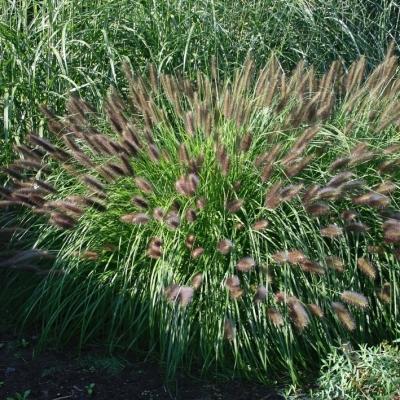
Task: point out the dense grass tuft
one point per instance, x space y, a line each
219 222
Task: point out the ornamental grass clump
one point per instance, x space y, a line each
245 224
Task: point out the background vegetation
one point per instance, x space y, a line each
50 48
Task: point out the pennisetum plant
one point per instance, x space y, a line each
243 224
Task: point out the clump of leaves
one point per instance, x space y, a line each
368 373
246 224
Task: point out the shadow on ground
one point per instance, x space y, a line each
55 375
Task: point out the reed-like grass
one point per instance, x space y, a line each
242 225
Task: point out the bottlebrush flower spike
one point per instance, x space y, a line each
316 310
384 293
275 317
354 298
224 246
298 314
335 263
197 281
261 294
229 329
245 264
344 316
331 231
366 268
260 225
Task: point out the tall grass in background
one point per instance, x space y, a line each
242 225
51 48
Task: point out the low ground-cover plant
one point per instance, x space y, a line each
369 373
246 225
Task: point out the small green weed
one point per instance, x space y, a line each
20 396
90 389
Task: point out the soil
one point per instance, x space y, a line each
62 375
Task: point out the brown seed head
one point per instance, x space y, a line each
172 220
197 252
191 215
298 314
316 310
189 241
344 316
136 218
335 263
143 184
245 264
384 293
366 268
354 298
197 280
260 225
275 317
331 231
232 281
233 206
260 295
225 246
140 202
158 214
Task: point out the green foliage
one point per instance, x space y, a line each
90 389
20 396
368 373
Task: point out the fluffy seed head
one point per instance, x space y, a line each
298 314
233 206
261 294
136 218
316 310
143 184
391 231
224 246
197 280
197 252
191 215
229 329
366 268
354 298
158 214
318 209
349 215
176 293
335 263
201 203
245 264
173 220
331 231
384 293
232 281
140 202
344 316
260 225
312 267
275 317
